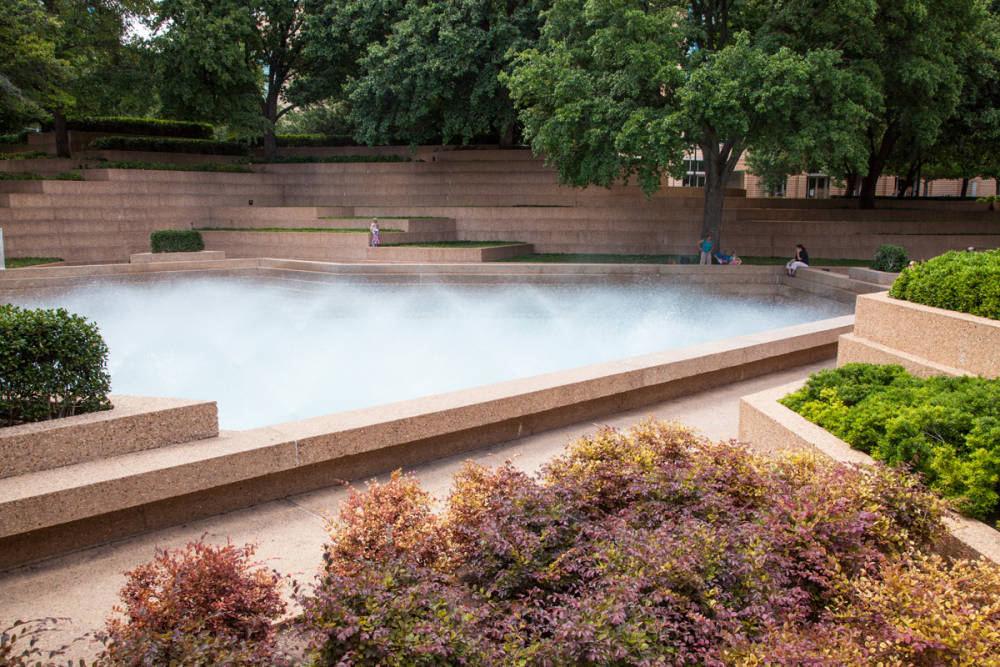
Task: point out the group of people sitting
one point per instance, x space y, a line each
727 257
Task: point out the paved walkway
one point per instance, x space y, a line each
83 586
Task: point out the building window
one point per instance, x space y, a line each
695 176
817 187
972 188
776 191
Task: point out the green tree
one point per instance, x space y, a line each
30 68
435 77
229 61
623 88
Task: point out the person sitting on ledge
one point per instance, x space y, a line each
800 260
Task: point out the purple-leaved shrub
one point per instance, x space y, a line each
645 547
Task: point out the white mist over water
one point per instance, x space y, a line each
269 354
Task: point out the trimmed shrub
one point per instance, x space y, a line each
52 364
202 605
295 140
946 428
967 282
19 176
170 145
890 258
650 546
176 240
154 127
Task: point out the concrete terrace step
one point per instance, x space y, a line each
133 200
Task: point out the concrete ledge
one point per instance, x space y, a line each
54 511
769 426
916 335
135 423
485 254
872 276
202 256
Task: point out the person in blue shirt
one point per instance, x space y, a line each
706 249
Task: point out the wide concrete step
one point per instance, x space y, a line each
134 200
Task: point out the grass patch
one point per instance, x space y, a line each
18 262
31 176
227 167
607 258
26 155
380 217
329 230
454 244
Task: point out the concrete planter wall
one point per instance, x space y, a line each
769 426
924 340
135 424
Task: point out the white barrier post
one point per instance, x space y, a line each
2 265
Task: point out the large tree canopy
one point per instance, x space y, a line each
618 88
30 70
419 71
229 61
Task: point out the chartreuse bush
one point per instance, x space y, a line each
202 605
649 546
947 428
968 282
52 364
176 240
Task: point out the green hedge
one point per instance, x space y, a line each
297 140
25 155
147 126
52 364
890 258
968 282
172 240
948 428
168 145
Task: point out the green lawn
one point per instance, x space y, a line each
18 262
329 230
454 244
569 258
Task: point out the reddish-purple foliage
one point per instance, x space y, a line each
650 546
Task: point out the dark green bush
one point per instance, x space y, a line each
19 176
52 364
169 145
947 428
174 240
967 282
154 127
890 258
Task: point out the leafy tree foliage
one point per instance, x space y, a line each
229 61
29 67
421 71
622 88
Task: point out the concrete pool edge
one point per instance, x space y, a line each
52 512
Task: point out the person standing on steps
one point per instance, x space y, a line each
373 234
801 259
706 249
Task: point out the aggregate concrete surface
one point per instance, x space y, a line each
82 587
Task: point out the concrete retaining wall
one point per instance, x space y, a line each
769 426
924 340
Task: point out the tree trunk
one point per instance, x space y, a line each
720 161
61 133
965 187
851 183
876 163
270 112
